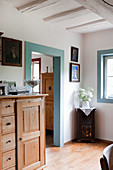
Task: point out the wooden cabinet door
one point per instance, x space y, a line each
49 115
48 88
0 139
48 85
30 134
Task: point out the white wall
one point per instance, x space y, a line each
92 43
46 62
27 27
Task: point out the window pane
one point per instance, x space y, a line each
110 67
36 75
109 87
36 71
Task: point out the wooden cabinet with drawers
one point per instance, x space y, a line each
22 133
8 142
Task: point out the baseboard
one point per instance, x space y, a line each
96 139
73 140
103 140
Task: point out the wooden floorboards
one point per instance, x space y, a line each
75 156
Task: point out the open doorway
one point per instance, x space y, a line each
42 67
58 55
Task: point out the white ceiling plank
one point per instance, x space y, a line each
78 19
64 13
99 7
86 24
15 3
59 6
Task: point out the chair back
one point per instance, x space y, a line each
107 160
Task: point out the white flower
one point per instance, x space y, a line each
80 90
90 89
85 95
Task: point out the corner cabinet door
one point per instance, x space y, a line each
30 134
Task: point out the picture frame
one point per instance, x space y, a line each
11 52
0 50
74 72
74 54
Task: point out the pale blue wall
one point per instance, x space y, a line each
58 85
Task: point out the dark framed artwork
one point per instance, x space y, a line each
74 72
1 47
0 50
11 52
74 54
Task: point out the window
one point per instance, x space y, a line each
109 77
36 71
105 76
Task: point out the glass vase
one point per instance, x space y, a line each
85 104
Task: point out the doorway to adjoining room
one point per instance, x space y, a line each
58 55
42 67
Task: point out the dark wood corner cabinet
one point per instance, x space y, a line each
85 126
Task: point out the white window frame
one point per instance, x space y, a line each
106 76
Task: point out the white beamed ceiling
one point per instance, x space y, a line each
80 16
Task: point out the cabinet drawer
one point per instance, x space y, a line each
8 124
8 142
7 108
8 159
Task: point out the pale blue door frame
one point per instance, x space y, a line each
58 85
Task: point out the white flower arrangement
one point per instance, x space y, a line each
85 94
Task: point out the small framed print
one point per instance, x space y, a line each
74 72
74 54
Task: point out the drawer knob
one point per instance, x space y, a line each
8 106
8 159
50 88
9 123
9 141
20 139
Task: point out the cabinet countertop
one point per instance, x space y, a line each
22 96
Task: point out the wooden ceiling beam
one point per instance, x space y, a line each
37 7
31 4
86 24
64 13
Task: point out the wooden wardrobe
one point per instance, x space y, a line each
48 88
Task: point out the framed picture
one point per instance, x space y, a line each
74 72
74 54
0 50
11 52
